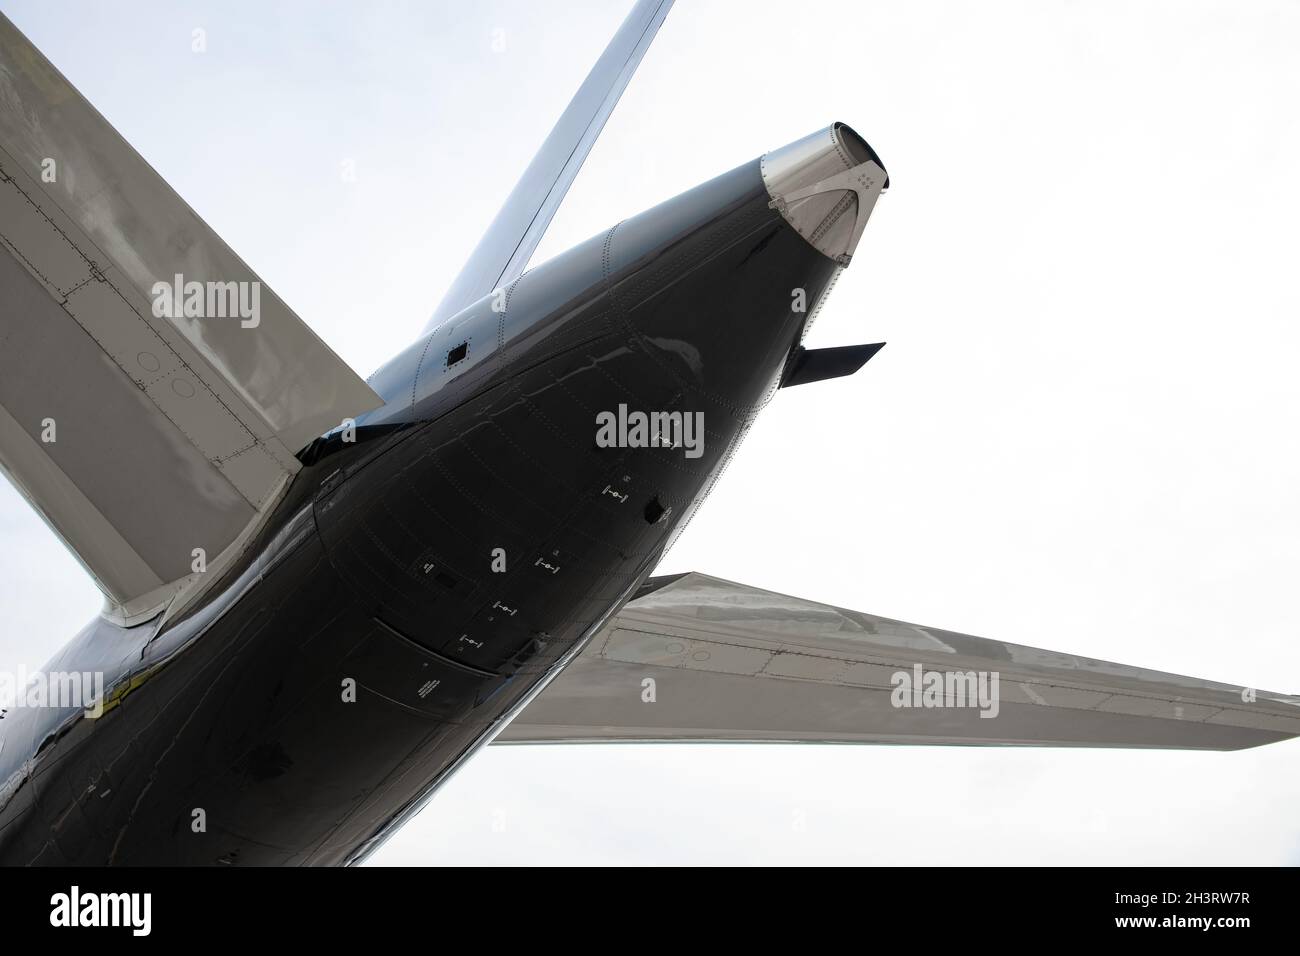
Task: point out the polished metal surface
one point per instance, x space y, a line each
826 185
735 663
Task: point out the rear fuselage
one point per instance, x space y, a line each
427 573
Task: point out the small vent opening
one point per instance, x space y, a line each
656 511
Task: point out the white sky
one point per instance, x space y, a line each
1082 435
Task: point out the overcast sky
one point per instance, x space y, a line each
1081 436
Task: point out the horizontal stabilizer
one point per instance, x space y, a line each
153 391
816 365
699 658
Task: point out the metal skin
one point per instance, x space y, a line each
376 570
184 426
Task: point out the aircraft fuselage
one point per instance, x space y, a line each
427 573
